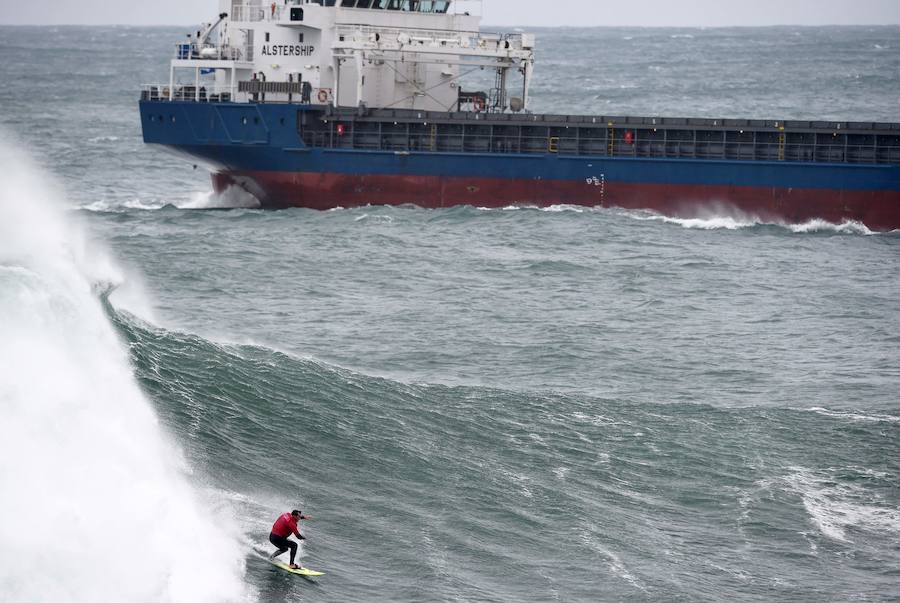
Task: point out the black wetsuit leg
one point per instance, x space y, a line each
293 546
281 543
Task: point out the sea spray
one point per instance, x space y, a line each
97 503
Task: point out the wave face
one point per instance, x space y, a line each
434 492
97 500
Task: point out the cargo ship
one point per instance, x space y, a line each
341 103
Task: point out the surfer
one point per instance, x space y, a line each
283 527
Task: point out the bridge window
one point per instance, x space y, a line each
416 6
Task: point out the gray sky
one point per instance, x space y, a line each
500 12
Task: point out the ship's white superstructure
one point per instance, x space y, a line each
409 54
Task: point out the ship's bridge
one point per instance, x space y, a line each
407 54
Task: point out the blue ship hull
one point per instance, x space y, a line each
301 155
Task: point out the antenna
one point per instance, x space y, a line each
467 7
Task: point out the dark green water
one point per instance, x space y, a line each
538 405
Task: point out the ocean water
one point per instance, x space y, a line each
567 404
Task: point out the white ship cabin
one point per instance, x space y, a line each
405 54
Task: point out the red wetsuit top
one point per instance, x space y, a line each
285 526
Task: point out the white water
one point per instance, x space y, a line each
837 510
96 503
723 217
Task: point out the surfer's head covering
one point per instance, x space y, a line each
296 512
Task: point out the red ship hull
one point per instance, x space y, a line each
877 210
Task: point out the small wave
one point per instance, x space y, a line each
376 219
726 222
561 207
100 207
105 206
565 207
146 205
849 227
506 208
682 36
734 219
104 139
233 197
854 416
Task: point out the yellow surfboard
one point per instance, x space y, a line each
304 571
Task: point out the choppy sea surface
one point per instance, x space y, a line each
566 404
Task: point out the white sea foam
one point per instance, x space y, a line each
520 480
850 227
717 218
97 504
578 209
561 207
104 139
105 205
376 219
836 508
855 416
723 217
233 197
718 223
613 561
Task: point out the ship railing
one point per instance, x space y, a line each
204 93
401 36
211 52
424 138
251 13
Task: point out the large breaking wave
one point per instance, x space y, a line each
97 502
